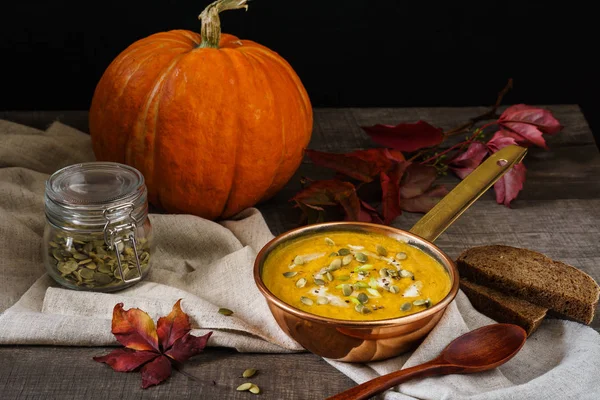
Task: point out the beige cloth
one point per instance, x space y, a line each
209 265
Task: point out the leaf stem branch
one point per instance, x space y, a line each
490 114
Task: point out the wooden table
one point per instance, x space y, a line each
557 213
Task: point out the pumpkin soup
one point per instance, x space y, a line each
355 276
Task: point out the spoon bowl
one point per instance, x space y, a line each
479 350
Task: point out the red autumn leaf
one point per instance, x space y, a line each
527 124
499 141
135 329
426 201
466 162
416 180
390 187
406 137
126 360
174 326
156 371
329 193
368 213
187 346
363 165
508 187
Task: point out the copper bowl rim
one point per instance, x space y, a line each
407 319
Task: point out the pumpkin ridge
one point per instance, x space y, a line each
286 67
150 172
277 173
237 138
258 65
140 64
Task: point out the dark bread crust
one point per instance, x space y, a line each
504 308
533 277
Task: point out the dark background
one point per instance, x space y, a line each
348 53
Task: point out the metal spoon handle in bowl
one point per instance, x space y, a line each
444 213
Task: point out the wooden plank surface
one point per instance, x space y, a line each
558 213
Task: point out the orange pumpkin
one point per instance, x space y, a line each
215 124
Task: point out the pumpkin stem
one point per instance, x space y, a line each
211 24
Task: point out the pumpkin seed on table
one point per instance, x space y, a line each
254 389
244 386
225 311
249 373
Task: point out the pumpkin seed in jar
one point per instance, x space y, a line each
401 256
89 246
79 256
68 267
91 265
86 273
347 259
86 261
360 257
103 268
343 251
381 250
102 279
290 274
306 300
300 283
329 242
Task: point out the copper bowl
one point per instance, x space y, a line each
356 341
364 341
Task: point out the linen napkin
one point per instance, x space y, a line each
209 265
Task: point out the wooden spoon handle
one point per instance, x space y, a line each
384 382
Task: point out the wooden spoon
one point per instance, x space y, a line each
480 350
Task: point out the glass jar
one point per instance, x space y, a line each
97 236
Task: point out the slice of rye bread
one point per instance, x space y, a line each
502 307
533 277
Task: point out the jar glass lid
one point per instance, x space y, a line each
95 184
